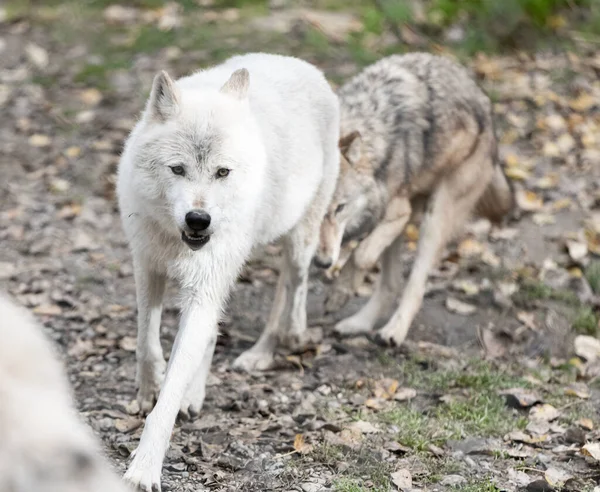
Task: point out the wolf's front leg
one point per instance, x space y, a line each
196 336
150 288
194 396
396 217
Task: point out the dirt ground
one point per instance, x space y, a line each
440 413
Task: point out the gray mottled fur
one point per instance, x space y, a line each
417 141
407 108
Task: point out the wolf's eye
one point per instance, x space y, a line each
339 208
179 170
223 172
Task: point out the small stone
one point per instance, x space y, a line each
453 480
37 55
539 486
575 435
39 140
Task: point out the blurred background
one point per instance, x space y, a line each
510 307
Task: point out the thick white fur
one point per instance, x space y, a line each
44 446
277 131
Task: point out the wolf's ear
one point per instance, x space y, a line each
350 146
164 99
237 85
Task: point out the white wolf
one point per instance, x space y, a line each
44 445
221 161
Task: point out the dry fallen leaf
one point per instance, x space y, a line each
466 286
583 102
580 390
363 427
404 394
90 97
48 310
561 204
528 201
73 152
592 449
459 307
301 446
128 343
37 55
492 344
550 180
520 397
385 388
518 173
520 436
374 403
39 140
565 143
402 479
587 347
528 319
128 424
469 248
556 477
544 412
577 250
585 423
542 219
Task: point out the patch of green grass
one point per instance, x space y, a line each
150 39
592 272
356 485
96 75
362 463
533 290
586 321
483 415
317 41
476 410
478 485
476 374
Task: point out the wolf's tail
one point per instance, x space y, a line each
498 199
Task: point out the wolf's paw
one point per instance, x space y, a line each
389 336
300 340
191 404
146 397
142 478
353 325
150 379
251 361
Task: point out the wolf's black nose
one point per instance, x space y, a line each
197 220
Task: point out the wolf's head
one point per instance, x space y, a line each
199 157
354 208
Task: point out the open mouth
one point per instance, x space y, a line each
194 242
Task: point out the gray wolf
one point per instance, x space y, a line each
44 445
417 142
220 162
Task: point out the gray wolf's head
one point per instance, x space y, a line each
355 206
199 157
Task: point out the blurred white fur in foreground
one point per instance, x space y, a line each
44 446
